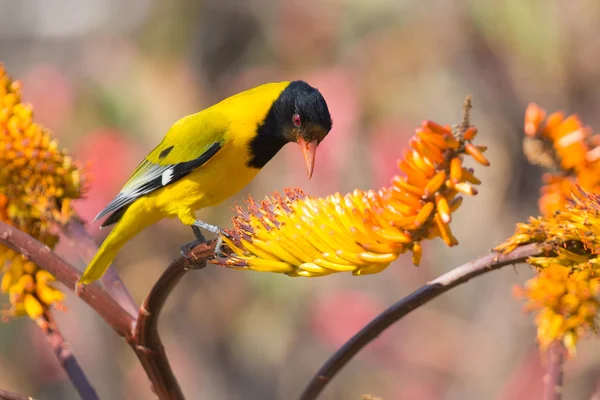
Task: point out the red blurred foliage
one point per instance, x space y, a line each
109 157
51 93
313 34
338 315
526 382
419 388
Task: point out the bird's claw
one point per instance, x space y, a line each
214 229
198 225
219 247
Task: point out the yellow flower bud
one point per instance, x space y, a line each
33 308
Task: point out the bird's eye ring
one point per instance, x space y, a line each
296 119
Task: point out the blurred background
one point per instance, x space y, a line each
109 78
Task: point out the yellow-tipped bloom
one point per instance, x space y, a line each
567 302
566 289
38 181
364 231
572 235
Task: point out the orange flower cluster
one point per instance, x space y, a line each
563 143
364 231
567 302
38 181
570 149
565 292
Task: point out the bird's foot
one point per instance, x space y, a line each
198 233
207 227
211 228
218 247
186 249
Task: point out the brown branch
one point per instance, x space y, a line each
86 247
143 336
553 380
421 296
6 395
67 360
68 275
146 339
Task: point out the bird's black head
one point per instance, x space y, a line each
299 115
303 113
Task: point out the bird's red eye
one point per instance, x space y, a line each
296 119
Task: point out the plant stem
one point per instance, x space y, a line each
553 380
421 296
143 336
67 360
68 275
151 351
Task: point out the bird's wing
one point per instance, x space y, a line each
188 145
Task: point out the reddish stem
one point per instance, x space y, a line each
142 336
68 275
67 360
146 339
553 380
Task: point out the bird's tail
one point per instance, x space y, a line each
129 226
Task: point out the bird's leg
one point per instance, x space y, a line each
198 233
187 248
214 229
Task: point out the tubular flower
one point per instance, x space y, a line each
564 144
364 231
566 289
38 181
572 236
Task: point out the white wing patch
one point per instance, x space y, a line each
149 177
167 176
142 184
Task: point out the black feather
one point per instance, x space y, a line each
178 171
115 216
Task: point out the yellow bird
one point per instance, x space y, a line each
209 156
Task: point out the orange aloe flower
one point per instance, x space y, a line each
564 144
364 231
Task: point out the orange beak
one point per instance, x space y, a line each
309 150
